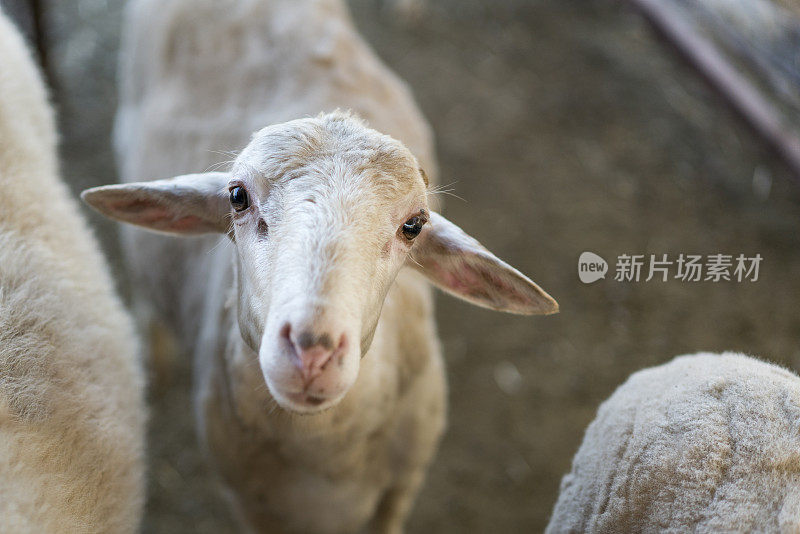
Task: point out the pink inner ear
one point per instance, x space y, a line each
132 206
145 213
473 281
460 281
152 216
186 223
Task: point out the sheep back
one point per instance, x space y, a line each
703 443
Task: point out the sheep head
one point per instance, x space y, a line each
324 212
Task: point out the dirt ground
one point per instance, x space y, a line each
565 127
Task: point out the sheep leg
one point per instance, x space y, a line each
395 504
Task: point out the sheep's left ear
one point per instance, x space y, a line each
186 205
458 264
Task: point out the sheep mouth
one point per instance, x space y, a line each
305 404
310 399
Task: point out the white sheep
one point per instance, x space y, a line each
306 310
198 77
71 405
704 443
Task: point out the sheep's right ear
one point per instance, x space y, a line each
187 205
458 264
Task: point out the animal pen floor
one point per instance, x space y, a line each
565 127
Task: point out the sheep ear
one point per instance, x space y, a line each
188 205
458 264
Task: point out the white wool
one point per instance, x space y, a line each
704 443
71 405
199 77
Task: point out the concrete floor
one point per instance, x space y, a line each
565 127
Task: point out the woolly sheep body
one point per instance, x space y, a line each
704 443
199 77
71 404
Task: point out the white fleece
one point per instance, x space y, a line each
71 404
704 443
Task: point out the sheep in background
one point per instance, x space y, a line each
71 405
704 443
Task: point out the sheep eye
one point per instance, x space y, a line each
412 227
239 199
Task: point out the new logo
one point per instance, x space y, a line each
591 267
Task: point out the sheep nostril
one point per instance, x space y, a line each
342 346
286 335
311 352
307 340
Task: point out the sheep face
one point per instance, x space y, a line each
324 212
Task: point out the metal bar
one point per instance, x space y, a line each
737 90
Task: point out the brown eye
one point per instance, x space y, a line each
412 227
239 199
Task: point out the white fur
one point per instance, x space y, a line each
71 407
199 77
705 443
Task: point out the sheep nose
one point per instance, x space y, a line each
312 351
